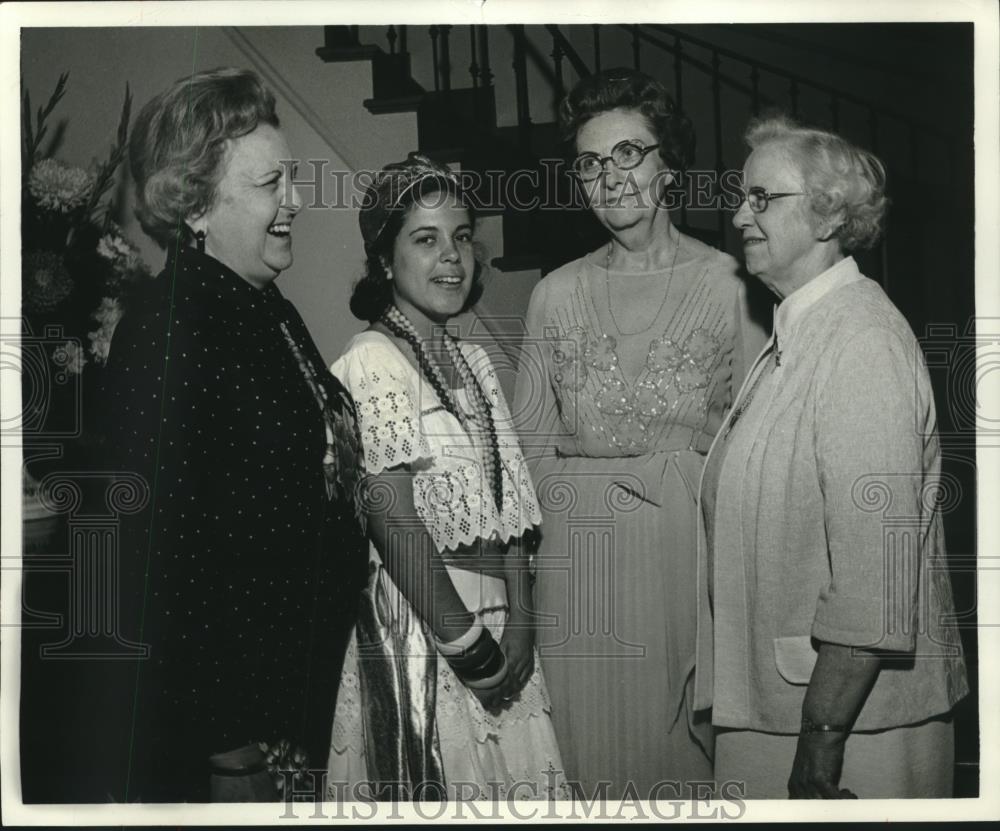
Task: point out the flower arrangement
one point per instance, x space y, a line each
77 264
285 763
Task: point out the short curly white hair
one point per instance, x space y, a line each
840 178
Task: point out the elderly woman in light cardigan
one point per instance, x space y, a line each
825 649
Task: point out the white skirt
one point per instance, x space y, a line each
508 755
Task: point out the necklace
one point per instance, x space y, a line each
745 403
481 420
663 302
319 392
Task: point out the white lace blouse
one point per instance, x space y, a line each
402 421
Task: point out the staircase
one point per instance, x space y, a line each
917 118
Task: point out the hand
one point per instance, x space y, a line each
816 769
518 644
497 698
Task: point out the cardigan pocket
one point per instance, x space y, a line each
795 658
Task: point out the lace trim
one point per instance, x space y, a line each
348 728
390 430
450 493
460 715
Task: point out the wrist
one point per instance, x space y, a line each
810 726
480 664
457 626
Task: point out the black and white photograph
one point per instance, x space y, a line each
470 411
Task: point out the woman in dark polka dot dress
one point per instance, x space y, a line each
242 574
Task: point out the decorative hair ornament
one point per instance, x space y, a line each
389 187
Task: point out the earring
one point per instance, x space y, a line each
199 241
388 274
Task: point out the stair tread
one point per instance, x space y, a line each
338 54
399 104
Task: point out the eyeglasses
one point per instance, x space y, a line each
757 198
625 155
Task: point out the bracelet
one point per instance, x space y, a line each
482 661
462 642
486 669
476 655
810 726
493 681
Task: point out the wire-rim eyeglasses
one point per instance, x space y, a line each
758 197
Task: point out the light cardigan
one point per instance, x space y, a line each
826 523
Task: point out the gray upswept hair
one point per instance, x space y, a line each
842 180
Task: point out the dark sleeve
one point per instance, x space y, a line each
152 382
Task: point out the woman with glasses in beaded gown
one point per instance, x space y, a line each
633 355
465 711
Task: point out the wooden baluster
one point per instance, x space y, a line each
679 98
433 31
635 46
521 85
793 94
717 115
834 111
474 66
391 37
597 47
445 58
484 56
474 72
557 59
678 73
755 84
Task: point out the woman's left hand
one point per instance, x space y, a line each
819 759
518 644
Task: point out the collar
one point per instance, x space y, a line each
793 308
214 278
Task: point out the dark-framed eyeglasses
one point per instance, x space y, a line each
758 197
625 155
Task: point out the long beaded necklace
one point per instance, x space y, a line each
663 302
319 393
482 417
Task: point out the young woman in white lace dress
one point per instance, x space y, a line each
442 692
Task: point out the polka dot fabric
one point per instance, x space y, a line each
243 572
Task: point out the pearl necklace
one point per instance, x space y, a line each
481 420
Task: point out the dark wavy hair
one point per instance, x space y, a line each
373 292
629 89
179 141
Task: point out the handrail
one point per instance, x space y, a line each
798 79
823 49
704 67
568 51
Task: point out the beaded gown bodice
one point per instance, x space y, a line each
664 387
